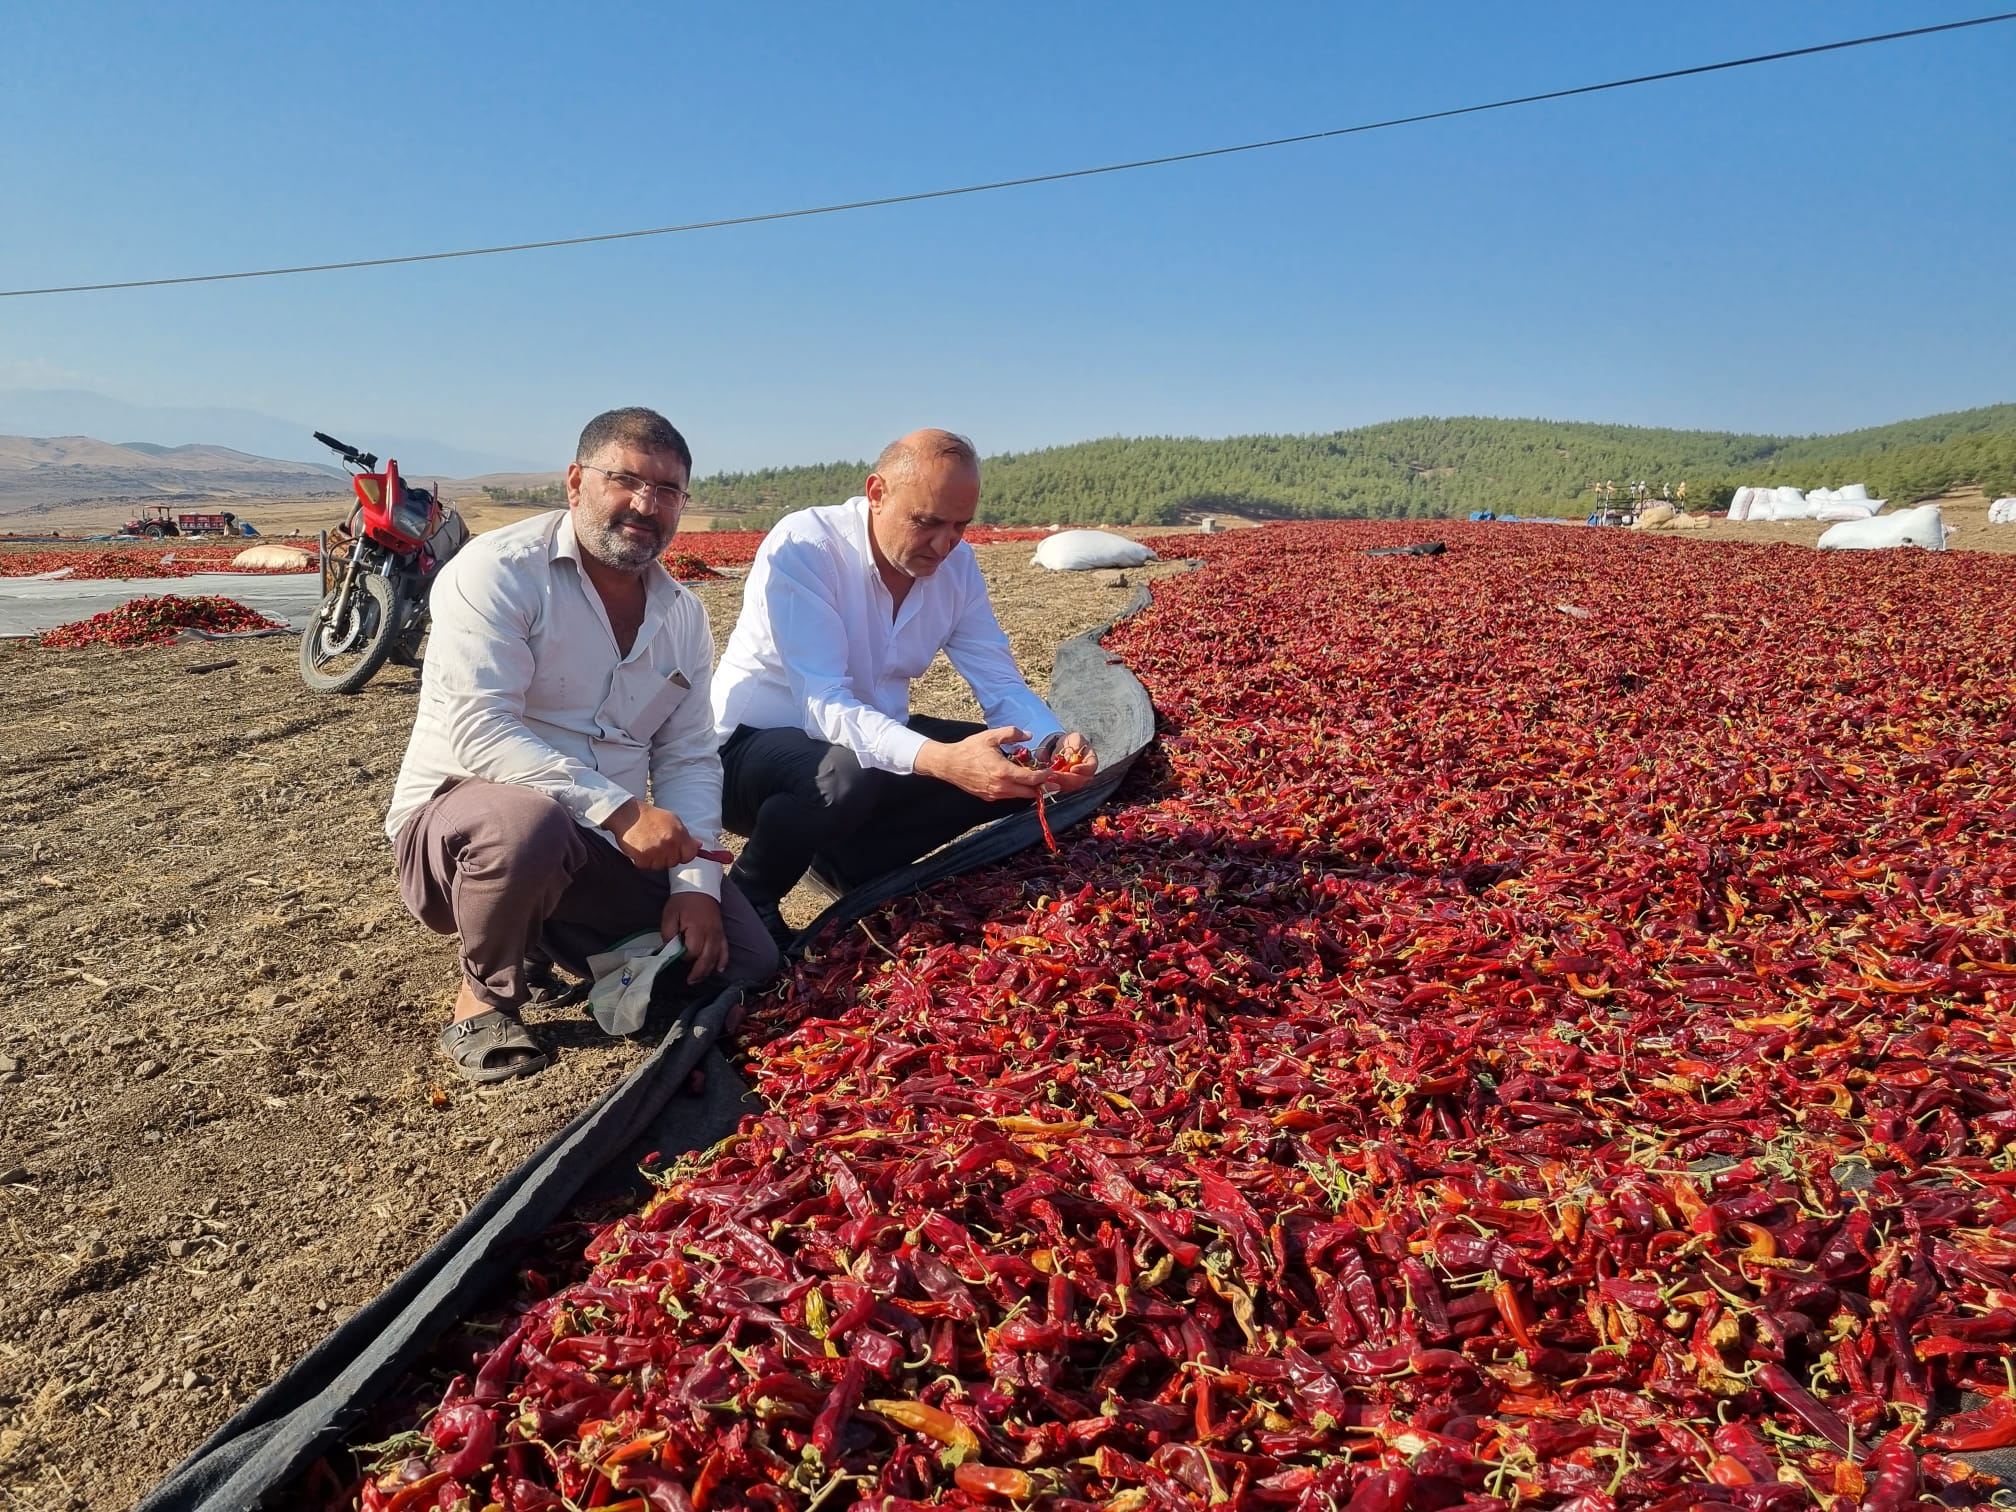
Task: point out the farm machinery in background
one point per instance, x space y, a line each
156 521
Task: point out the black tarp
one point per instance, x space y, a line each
254 1459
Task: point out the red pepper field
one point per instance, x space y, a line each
691 559
89 562
1536 1031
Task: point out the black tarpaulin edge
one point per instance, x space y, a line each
264 1447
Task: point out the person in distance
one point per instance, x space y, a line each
562 788
823 765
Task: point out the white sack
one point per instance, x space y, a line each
1852 491
1844 509
624 973
1819 496
1922 527
1739 505
1078 550
2002 512
274 559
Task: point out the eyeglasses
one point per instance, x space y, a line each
643 488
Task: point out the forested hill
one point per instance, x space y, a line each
1420 469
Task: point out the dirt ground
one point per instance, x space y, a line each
223 1125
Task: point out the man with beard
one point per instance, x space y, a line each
562 781
824 766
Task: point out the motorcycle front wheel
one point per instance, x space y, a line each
350 635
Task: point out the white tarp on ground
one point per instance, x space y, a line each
2002 512
1923 526
27 608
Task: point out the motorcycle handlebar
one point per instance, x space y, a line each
364 460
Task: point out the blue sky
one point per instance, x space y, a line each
1806 246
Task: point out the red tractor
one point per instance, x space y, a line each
158 520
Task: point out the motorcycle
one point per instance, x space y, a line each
376 608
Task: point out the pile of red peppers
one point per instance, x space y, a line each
1489 1057
156 622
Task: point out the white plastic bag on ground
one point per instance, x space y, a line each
1923 526
2002 512
1845 509
273 559
621 996
1078 550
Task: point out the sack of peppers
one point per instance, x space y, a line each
1461 1072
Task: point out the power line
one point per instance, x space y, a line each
1019 183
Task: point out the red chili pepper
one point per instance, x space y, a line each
1992 1425
1384 1491
826 1428
1895 1468
994 1481
470 1426
1795 1398
1512 1309
1727 1470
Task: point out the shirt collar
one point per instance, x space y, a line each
661 591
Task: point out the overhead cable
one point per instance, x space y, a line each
1036 178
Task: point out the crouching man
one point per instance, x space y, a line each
824 766
562 779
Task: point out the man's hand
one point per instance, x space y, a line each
697 917
1068 760
976 765
651 837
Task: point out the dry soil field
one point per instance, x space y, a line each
218 1120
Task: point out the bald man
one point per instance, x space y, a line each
823 764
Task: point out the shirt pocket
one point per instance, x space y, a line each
657 702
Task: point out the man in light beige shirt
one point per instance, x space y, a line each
562 782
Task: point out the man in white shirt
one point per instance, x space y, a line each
562 783
823 763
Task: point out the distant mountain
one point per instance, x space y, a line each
1421 468
79 412
42 472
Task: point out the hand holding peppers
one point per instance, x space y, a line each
975 765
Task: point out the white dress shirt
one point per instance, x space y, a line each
524 683
822 647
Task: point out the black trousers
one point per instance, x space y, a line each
801 801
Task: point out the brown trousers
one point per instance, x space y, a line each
510 871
